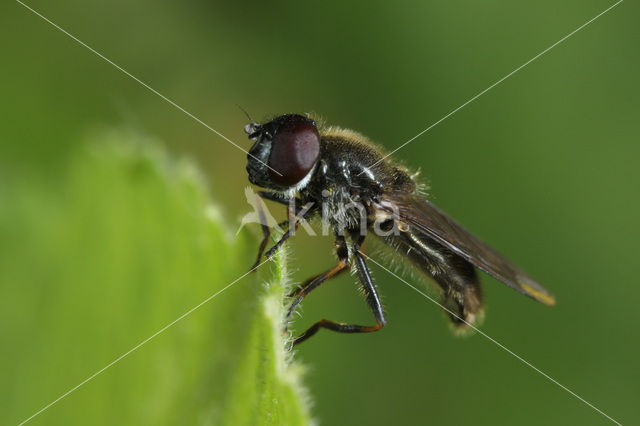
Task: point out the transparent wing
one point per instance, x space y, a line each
425 217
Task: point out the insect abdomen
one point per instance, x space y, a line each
461 291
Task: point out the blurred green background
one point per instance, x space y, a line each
544 167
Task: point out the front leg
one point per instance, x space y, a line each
263 222
285 236
294 219
294 214
263 245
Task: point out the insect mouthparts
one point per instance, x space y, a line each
253 130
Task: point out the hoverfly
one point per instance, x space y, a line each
317 170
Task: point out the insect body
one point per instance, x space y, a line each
338 174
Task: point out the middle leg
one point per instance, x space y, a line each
311 284
373 300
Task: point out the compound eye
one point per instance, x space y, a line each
294 151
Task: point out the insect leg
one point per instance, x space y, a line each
267 233
263 245
284 237
314 282
461 292
372 298
462 295
370 291
292 222
265 229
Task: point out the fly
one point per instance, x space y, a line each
341 176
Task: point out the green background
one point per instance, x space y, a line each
544 167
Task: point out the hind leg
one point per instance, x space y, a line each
462 294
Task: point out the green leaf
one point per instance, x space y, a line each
117 247
267 390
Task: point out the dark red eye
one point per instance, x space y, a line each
294 151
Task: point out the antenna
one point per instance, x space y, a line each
246 113
252 129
